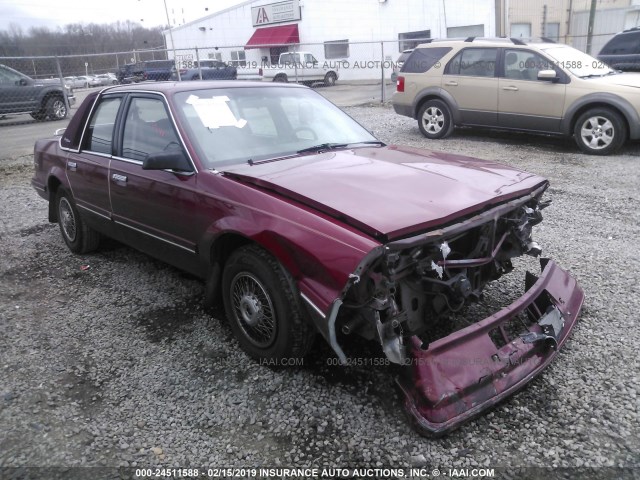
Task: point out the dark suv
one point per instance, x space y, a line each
622 52
41 98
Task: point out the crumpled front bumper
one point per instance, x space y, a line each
459 376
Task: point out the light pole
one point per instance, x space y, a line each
173 45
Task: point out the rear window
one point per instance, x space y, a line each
623 44
422 59
158 63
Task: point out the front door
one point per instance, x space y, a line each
156 207
524 102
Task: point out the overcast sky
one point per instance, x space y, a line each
149 13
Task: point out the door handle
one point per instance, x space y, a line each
511 89
452 83
118 178
72 166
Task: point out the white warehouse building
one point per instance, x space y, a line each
361 37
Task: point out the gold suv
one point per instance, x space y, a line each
509 84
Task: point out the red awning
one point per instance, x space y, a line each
272 36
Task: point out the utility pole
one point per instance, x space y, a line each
592 16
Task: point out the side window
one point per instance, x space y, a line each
147 129
478 62
623 44
101 126
7 77
422 59
524 65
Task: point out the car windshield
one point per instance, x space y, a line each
577 62
233 125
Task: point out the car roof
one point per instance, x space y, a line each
489 42
175 87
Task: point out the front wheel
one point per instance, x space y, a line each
56 108
434 119
600 131
79 237
263 307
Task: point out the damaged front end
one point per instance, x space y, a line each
402 294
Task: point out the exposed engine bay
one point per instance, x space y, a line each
416 283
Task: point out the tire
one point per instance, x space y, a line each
40 116
263 308
330 79
600 131
435 120
76 234
281 78
56 109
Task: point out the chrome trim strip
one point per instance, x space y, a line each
333 314
312 305
93 211
156 237
97 154
127 160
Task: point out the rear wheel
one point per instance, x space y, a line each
263 307
330 79
56 109
434 119
79 237
600 131
282 78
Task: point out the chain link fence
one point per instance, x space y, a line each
346 72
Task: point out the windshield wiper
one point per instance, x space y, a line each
332 146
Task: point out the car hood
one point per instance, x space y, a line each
622 79
389 192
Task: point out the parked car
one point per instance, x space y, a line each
42 99
107 79
82 81
209 69
622 52
512 85
303 222
130 73
77 82
302 67
158 70
93 81
398 65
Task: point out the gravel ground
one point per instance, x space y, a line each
120 365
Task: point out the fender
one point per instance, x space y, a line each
320 263
440 93
603 99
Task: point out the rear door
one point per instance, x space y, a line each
88 169
471 79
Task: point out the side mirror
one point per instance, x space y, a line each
174 160
22 82
547 75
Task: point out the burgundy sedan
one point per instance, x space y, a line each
302 222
